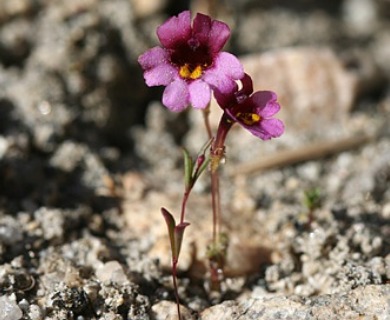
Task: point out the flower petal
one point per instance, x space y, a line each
265 103
153 57
200 94
219 34
226 99
229 65
174 30
201 28
267 129
226 69
161 75
176 96
247 86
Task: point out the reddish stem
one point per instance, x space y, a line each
184 204
175 288
217 153
216 205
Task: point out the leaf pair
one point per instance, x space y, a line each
193 169
176 233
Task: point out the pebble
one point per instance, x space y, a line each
112 272
143 9
9 309
13 8
35 312
167 310
360 16
52 222
3 146
10 230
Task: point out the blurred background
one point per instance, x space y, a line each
70 83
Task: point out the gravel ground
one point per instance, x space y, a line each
88 155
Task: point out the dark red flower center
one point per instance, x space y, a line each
192 59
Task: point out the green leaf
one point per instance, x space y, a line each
312 198
171 224
188 167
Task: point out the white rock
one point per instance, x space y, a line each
144 8
3 146
167 310
113 272
9 310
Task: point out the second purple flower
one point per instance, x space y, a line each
190 62
253 111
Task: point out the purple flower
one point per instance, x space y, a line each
190 62
253 111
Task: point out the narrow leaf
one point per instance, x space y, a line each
171 224
188 167
201 161
205 147
202 167
179 232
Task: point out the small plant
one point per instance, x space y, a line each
192 66
312 201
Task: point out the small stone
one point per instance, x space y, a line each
9 309
3 146
360 16
23 304
112 272
35 312
68 156
52 222
144 9
167 310
386 211
10 230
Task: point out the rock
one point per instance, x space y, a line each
313 87
9 309
167 310
14 8
144 9
112 272
35 312
10 230
360 16
52 223
352 305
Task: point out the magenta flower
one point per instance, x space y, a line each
190 62
253 111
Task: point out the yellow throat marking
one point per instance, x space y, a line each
189 73
248 118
